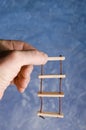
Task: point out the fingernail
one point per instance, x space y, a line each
45 58
31 69
21 90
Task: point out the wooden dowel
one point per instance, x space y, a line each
56 58
50 114
51 76
50 94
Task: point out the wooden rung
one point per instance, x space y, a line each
50 114
51 76
56 58
51 94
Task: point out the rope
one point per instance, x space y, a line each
60 87
41 89
41 100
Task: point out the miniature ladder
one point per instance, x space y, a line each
59 94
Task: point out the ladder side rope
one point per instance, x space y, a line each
41 89
60 87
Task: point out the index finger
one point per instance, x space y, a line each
31 57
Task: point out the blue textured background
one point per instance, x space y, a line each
55 27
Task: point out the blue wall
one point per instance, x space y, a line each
55 27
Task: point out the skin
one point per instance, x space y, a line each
17 59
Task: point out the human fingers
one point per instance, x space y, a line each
32 57
20 45
29 58
15 45
10 66
23 78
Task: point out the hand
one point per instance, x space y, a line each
16 64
